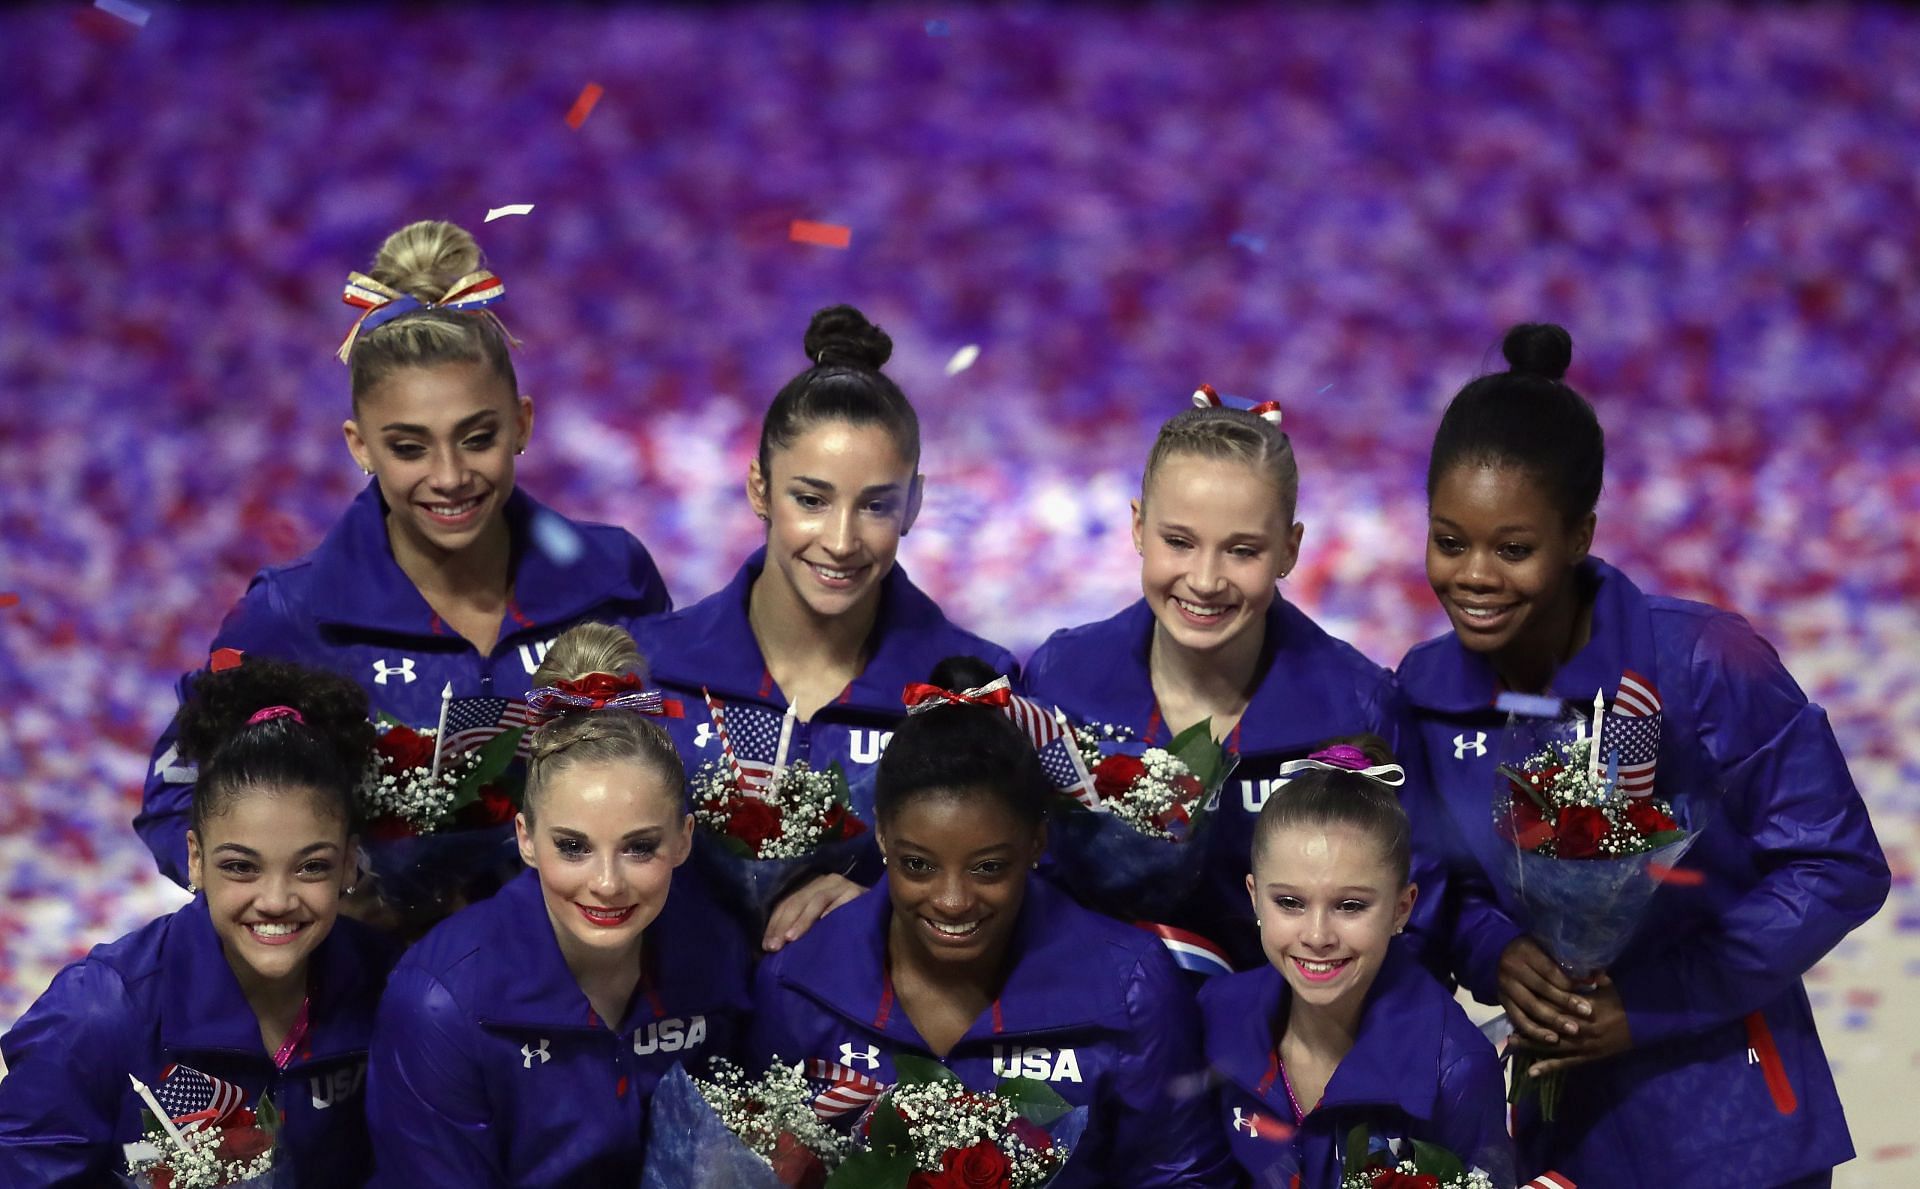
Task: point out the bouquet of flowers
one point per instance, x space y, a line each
1589 841
930 1132
1127 848
760 835
438 817
221 1144
1405 1164
732 1132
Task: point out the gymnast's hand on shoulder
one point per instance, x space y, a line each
806 904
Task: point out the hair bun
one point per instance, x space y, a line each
424 259
1538 349
842 336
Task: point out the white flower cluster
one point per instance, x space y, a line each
199 1165
759 1112
944 1117
1149 797
422 800
1574 784
801 798
1364 1180
1088 738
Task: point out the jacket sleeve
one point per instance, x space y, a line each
427 1107
66 1062
769 1036
1785 790
1160 1110
647 580
1431 927
256 624
1470 1115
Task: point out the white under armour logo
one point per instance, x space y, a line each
702 733
528 1053
870 1058
1462 745
1245 1122
382 670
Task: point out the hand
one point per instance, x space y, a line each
1604 1034
796 914
1538 995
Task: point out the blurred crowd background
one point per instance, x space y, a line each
1339 207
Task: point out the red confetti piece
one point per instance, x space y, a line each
1679 877
224 659
826 235
1863 997
9 599
583 106
1893 1152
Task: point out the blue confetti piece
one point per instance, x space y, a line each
1252 243
1913 967
1908 923
1531 705
938 29
1854 1021
133 14
558 539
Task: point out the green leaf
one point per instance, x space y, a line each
495 757
1035 1100
1195 748
889 1132
267 1115
1664 838
873 1170
910 1070
1520 781
387 720
1356 1160
1436 1161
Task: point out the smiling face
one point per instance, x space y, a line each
440 440
1328 900
605 838
1501 558
1214 536
836 505
957 865
273 864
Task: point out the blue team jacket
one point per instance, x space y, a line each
710 644
164 994
1419 1069
347 608
1313 687
1092 1007
490 1068
1712 984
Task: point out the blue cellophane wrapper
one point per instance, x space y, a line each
1068 1129
426 871
751 887
688 1147
1113 868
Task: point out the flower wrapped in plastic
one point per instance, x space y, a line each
220 1143
439 816
757 838
1371 1163
728 1131
1590 841
1130 843
930 1132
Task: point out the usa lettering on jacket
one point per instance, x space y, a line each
669 1036
1048 1065
329 1089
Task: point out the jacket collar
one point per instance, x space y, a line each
686 962
711 644
1057 983
1395 1060
366 589
202 1007
1443 676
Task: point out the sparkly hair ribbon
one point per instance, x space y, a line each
597 691
379 303
1344 757
921 697
1204 397
269 713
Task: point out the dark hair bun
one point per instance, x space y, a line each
1538 349
218 706
841 336
962 673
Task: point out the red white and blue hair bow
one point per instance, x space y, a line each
379 303
597 691
1344 757
1204 397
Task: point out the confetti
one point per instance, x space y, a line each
827 235
517 208
583 106
1893 1152
1679 877
558 539
224 659
1531 705
1863 997
938 29
963 359
127 11
1257 244
9 599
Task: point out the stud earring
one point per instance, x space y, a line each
192 888
366 470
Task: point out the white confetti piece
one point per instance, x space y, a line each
518 208
963 359
558 539
127 11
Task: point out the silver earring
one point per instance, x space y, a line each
366 470
192 888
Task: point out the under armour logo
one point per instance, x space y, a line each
1462 745
702 733
1753 1058
382 670
870 1058
1245 1122
528 1053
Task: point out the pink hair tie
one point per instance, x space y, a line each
1344 757
268 714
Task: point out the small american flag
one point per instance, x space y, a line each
473 721
749 742
189 1096
846 1092
1633 730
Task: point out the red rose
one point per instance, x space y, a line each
983 1166
1187 788
387 829
162 1177
243 1143
753 822
1524 824
1644 817
1114 775
839 824
796 1164
1031 1134
1389 1179
1579 831
493 807
403 748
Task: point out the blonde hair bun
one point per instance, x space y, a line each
424 259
